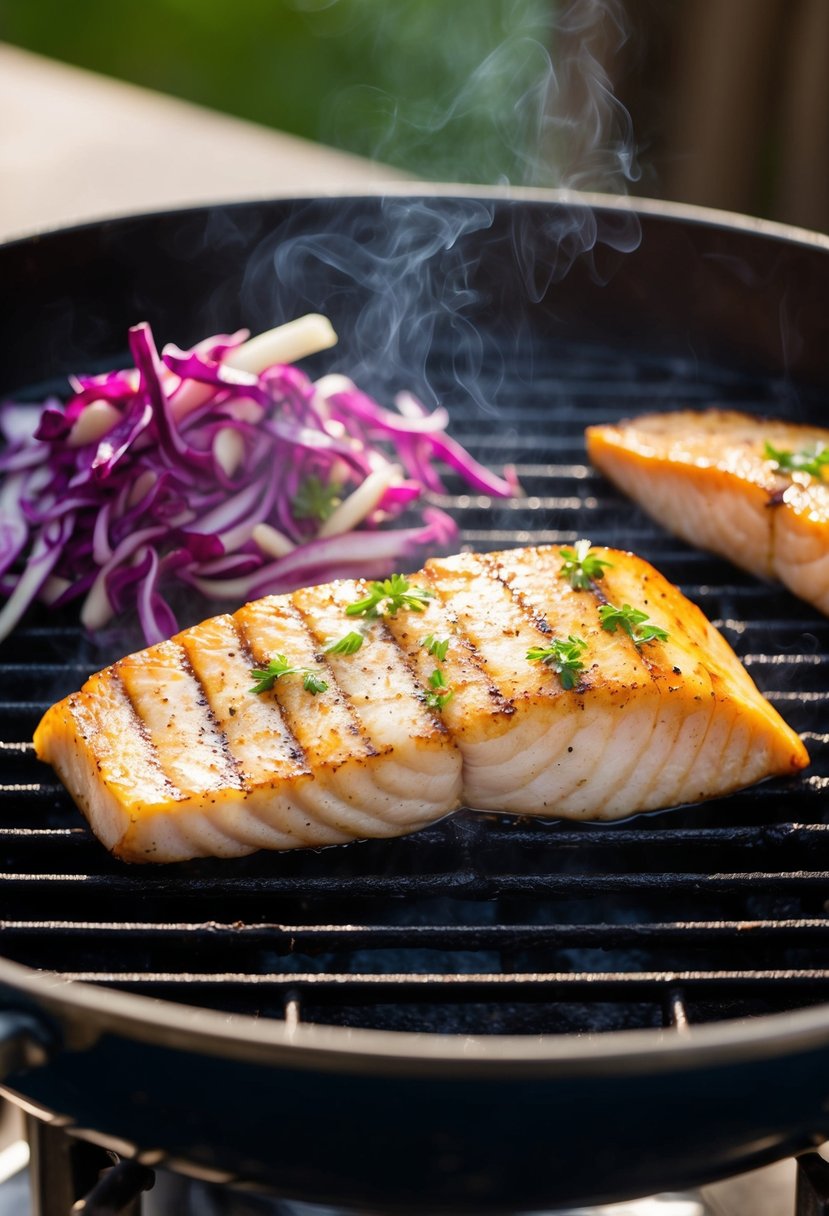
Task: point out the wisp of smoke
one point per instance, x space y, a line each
533 93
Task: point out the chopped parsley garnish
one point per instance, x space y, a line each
580 567
394 593
312 683
633 622
784 461
563 656
441 693
317 499
279 667
435 647
350 643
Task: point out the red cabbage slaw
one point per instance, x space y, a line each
219 469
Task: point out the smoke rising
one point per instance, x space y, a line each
488 91
530 103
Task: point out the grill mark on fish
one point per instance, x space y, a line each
488 617
601 598
295 749
232 765
319 723
377 679
533 617
500 704
318 642
597 592
422 692
167 697
140 727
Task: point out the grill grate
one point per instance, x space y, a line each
480 924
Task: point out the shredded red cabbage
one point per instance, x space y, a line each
186 471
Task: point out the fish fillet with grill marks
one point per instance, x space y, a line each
171 756
705 476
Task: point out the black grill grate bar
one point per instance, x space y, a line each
575 470
798 696
580 403
785 660
638 539
457 883
770 624
75 835
49 788
799 786
395 985
505 537
44 669
561 838
451 937
49 632
515 506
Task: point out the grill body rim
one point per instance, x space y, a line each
83 1012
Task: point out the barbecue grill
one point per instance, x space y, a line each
494 1013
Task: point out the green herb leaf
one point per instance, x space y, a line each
317 499
633 622
563 656
784 461
395 593
441 693
580 567
279 667
350 643
435 647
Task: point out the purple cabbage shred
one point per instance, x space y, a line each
187 459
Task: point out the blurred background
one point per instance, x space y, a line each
718 102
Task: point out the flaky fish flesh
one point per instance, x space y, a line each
747 488
501 683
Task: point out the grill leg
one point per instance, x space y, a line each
812 1185
117 1192
62 1169
50 1169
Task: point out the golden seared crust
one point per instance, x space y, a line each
171 755
705 475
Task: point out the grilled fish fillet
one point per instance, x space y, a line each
704 475
171 756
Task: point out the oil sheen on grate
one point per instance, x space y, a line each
482 924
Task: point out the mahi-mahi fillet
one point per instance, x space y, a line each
170 755
706 476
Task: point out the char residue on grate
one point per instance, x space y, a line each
482 924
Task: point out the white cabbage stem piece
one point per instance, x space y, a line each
305 336
92 423
354 509
285 344
271 541
228 450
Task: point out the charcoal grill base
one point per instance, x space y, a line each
409 1143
